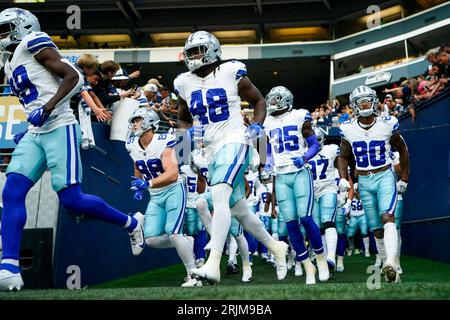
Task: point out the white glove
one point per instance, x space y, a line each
346 207
401 186
344 185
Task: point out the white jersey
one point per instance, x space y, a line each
148 161
254 185
285 136
214 101
323 170
357 209
191 179
266 193
34 85
371 147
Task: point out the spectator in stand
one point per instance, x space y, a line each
147 100
87 64
345 115
159 85
104 90
443 60
432 56
335 107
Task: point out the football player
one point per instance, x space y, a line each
293 144
370 139
325 192
44 84
156 170
211 92
358 221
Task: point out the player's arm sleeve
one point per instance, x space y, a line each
178 87
39 41
239 70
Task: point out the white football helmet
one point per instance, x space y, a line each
266 176
279 98
201 48
363 94
15 24
320 136
150 120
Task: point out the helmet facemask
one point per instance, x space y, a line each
201 49
356 106
278 99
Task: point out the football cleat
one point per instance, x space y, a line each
247 274
210 274
310 271
298 269
340 264
232 268
264 256
10 281
367 254
390 273
279 251
190 281
137 239
322 266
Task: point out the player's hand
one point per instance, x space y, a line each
254 131
346 208
344 185
18 136
37 117
138 184
139 195
274 214
299 162
402 186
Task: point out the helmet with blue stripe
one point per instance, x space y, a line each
15 24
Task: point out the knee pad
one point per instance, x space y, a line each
16 188
71 197
328 224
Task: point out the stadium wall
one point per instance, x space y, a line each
426 214
102 251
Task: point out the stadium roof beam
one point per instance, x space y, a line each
327 4
135 11
259 6
122 9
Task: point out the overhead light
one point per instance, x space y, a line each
235 36
275 73
159 77
169 38
29 1
299 34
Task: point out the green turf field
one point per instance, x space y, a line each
422 279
